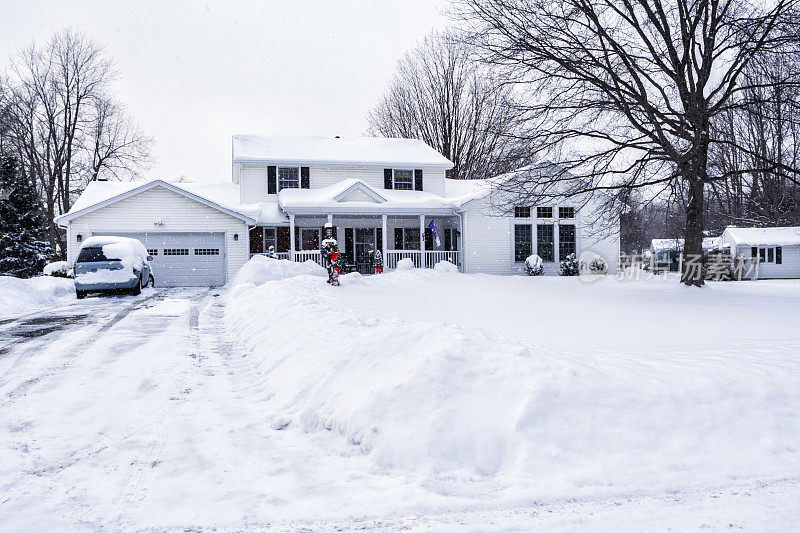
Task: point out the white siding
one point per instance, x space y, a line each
489 240
253 179
789 267
140 213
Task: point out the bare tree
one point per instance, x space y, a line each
65 127
623 94
443 97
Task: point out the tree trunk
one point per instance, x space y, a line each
692 273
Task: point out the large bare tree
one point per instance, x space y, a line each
624 94
440 95
62 122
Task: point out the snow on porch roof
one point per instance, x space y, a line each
355 196
334 151
780 236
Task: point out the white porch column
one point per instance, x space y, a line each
384 225
330 219
422 241
291 237
459 241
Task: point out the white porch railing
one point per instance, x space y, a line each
301 256
281 255
427 259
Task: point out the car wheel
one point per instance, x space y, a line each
137 289
151 282
80 294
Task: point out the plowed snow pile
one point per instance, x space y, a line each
453 403
19 296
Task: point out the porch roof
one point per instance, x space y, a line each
356 197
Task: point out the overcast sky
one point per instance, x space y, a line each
194 73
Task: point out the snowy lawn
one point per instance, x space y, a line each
517 388
19 296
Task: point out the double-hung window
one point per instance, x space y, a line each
406 238
288 178
544 242
523 242
403 179
566 240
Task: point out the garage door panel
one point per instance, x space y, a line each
184 259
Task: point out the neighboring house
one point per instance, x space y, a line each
768 252
666 254
379 194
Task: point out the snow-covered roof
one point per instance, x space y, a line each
676 245
220 195
463 191
350 194
780 236
334 151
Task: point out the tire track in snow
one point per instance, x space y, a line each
75 351
146 464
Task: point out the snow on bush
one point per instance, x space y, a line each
261 269
18 296
533 265
445 266
569 266
59 269
405 264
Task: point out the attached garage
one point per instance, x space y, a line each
194 240
185 259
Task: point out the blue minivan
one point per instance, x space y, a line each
107 264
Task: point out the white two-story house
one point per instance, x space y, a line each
387 195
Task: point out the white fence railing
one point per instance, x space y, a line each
427 259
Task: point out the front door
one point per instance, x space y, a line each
365 246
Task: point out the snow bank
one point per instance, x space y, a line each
379 364
261 269
444 398
19 296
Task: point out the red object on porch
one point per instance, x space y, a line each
379 270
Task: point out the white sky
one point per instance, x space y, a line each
194 73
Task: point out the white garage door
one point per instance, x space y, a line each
184 259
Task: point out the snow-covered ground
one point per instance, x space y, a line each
423 400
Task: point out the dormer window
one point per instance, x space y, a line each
288 178
403 179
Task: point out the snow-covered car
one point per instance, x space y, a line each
112 264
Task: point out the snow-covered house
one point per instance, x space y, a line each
768 252
388 195
667 253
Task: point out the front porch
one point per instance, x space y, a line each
360 236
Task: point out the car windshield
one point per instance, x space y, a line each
93 254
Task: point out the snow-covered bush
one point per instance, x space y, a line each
18 296
405 264
445 266
533 265
598 265
569 266
58 269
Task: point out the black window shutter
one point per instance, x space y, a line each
398 238
778 255
448 244
417 179
379 240
272 181
349 244
428 239
305 178
754 251
387 178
